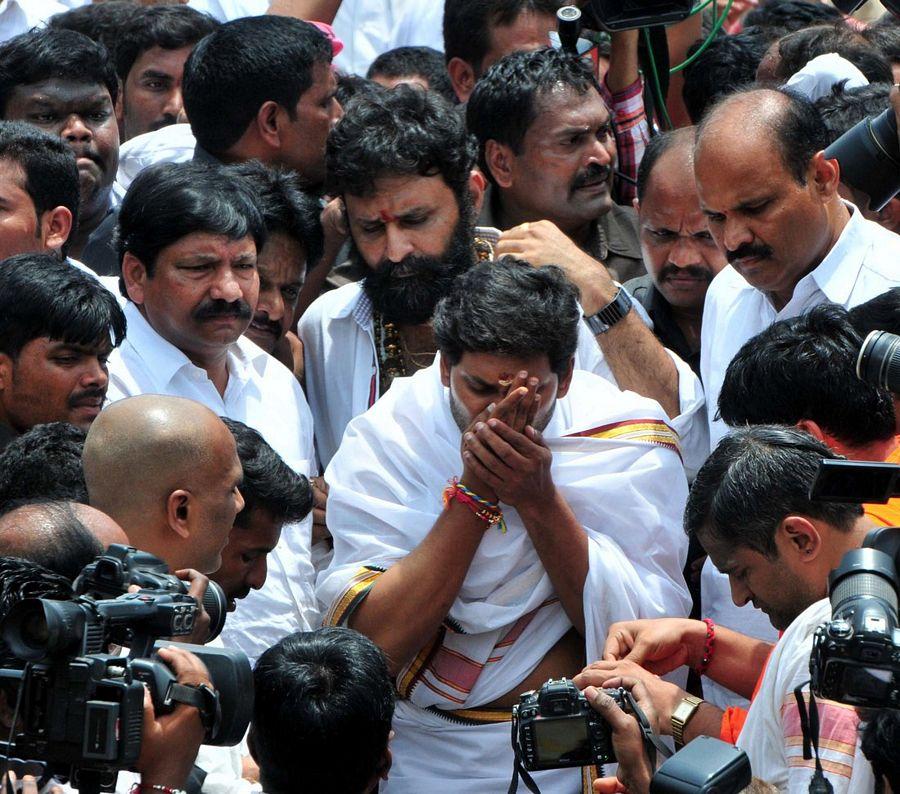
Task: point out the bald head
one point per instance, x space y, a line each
164 468
61 536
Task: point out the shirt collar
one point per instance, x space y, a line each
164 361
838 271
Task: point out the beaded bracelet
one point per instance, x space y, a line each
487 511
709 645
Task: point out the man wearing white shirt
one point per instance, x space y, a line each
188 241
792 243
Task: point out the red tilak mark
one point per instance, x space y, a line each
386 216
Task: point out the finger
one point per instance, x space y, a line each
29 785
535 435
484 474
526 406
520 382
617 645
188 668
498 445
533 405
519 442
486 456
589 677
507 405
607 708
198 582
608 785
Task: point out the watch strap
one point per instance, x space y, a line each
201 697
683 714
610 314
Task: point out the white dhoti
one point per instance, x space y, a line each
616 462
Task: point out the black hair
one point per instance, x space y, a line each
884 35
789 15
510 308
42 54
844 107
101 22
21 579
508 98
881 313
63 544
800 47
656 148
468 25
243 64
322 713
41 295
51 174
43 463
269 483
284 205
804 367
756 477
405 132
169 201
880 740
415 61
350 86
796 129
168 27
727 64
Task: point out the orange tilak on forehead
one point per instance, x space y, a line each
505 379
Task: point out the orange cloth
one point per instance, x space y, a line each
734 717
888 515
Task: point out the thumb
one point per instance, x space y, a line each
608 785
606 707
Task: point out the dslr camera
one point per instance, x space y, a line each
856 655
556 727
78 707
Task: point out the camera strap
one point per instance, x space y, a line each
518 767
809 725
652 742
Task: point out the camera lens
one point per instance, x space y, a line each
869 157
216 605
37 628
878 363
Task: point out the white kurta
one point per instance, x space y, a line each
625 483
342 372
772 737
263 394
864 262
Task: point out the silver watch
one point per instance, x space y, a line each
610 314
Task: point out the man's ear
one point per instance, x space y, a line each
636 203
499 160
268 123
445 372
462 77
813 428
889 216
56 226
6 371
477 186
798 537
825 174
566 380
180 512
119 110
134 274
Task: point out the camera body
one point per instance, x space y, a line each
856 655
555 727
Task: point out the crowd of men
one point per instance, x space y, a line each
456 377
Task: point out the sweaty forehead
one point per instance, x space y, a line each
58 89
561 106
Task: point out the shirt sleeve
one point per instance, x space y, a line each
632 132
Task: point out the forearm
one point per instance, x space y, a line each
640 363
562 545
318 10
681 37
707 721
408 603
738 661
623 60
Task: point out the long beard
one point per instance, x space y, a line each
411 299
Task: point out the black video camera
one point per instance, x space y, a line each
624 14
79 709
856 655
556 728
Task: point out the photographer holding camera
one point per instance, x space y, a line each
751 510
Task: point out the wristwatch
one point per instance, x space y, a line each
683 714
203 698
610 314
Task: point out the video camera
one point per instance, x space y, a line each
78 707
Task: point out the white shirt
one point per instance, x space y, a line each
263 394
864 262
20 16
369 28
173 143
771 736
342 372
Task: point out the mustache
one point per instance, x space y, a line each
747 251
592 174
91 155
261 318
692 271
209 310
166 120
86 394
418 265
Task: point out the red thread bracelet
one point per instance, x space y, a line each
709 646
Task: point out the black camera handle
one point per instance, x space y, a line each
809 725
651 741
